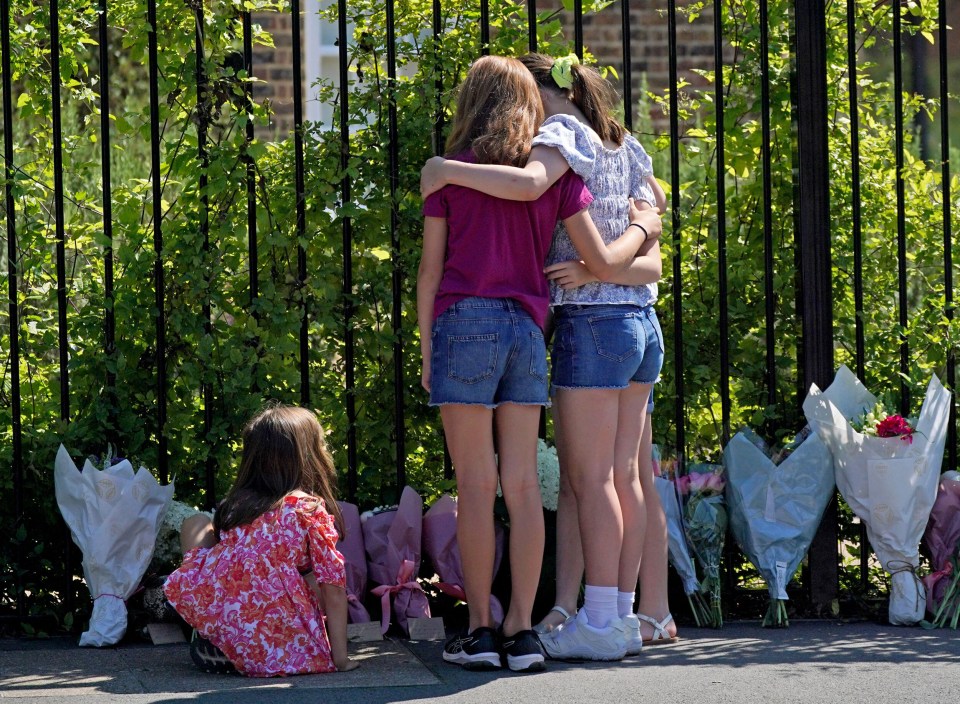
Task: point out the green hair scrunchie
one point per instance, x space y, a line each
562 70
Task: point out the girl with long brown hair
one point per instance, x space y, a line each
264 584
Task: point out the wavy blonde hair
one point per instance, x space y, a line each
498 112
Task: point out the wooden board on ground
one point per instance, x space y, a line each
164 633
364 632
426 628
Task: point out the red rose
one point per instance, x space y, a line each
893 427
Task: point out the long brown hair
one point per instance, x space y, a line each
283 451
498 112
590 92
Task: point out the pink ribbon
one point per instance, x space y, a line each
404 581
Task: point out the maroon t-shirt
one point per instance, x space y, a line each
497 248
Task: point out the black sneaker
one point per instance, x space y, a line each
476 651
523 652
209 657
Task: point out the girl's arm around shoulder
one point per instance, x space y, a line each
542 170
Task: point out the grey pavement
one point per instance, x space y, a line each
811 661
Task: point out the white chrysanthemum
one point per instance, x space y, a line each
548 473
166 553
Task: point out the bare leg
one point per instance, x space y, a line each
517 445
588 423
631 421
653 567
469 433
569 554
197 532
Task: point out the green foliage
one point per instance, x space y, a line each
248 350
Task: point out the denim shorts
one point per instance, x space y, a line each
606 346
488 351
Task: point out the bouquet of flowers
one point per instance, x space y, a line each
942 540
167 553
889 482
679 551
440 545
114 515
351 547
776 501
705 524
392 542
548 474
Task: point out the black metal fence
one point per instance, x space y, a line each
811 113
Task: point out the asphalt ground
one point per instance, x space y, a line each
811 661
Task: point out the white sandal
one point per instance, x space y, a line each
541 629
660 634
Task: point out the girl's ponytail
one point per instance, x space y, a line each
588 90
595 97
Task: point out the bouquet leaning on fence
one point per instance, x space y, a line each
889 482
678 550
114 515
942 540
705 525
776 504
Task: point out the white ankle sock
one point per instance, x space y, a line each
600 603
625 603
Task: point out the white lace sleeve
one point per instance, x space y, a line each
642 169
574 140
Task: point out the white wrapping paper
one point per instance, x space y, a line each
114 515
775 509
889 483
676 540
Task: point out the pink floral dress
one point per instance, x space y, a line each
246 594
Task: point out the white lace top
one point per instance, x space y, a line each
613 176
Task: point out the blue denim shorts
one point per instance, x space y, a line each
488 351
606 346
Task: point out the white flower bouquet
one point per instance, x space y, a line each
889 482
776 507
114 515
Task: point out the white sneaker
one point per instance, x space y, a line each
578 640
631 625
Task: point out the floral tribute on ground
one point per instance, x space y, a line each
678 550
114 515
776 501
392 541
942 542
705 525
889 482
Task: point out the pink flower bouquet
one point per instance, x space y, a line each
440 545
889 482
678 550
355 562
942 540
392 542
705 526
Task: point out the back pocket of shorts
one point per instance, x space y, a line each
614 335
472 358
